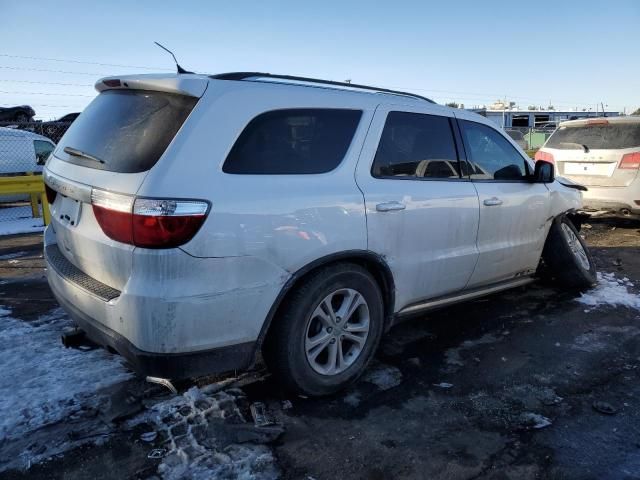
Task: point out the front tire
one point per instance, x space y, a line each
568 257
327 331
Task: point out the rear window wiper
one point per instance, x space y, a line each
581 145
79 153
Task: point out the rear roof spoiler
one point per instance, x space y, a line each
183 84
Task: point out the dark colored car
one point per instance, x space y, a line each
55 129
21 113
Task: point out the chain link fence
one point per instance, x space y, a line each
24 148
529 138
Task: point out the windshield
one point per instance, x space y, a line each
598 137
128 130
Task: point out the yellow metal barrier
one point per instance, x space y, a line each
32 185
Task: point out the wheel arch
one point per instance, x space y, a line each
576 217
373 263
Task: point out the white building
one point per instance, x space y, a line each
535 118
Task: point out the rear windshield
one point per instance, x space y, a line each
128 130
598 137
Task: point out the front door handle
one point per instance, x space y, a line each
492 202
390 206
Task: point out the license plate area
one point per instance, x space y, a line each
68 211
604 169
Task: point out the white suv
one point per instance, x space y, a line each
602 154
198 221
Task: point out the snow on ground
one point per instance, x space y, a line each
52 398
204 435
601 338
611 291
383 376
19 220
9 256
44 384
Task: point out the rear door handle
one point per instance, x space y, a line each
492 202
390 206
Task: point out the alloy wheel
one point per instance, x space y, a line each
337 332
576 247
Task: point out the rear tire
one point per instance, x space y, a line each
327 331
568 257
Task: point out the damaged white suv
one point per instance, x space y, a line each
198 221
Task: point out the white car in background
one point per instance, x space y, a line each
22 151
198 221
604 155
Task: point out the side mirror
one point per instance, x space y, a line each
544 172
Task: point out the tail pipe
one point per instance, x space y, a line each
73 338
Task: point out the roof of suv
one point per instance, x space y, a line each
312 82
596 120
195 84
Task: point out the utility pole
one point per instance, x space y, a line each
504 105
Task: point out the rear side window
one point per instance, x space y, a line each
596 136
297 141
414 145
127 130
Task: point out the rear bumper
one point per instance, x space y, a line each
177 316
174 366
613 199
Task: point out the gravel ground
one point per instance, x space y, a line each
532 383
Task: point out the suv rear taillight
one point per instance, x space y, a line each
165 223
547 157
630 161
148 222
113 212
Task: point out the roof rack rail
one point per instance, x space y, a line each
247 75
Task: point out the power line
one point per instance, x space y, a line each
457 95
49 83
80 62
54 71
41 105
449 92
50 94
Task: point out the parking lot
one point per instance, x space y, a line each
533 383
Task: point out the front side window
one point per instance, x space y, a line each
415 145
490 155
296 141
43 149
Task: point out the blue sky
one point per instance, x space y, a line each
574 54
